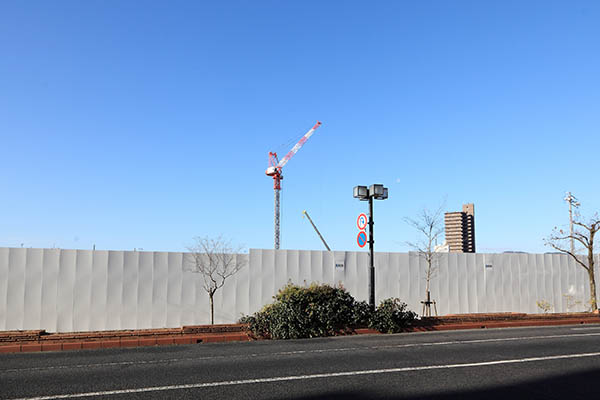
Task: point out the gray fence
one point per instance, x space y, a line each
82 290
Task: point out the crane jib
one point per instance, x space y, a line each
295 149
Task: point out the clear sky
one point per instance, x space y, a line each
132 124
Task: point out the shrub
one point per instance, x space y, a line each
323 310
362 314
391 316
303 312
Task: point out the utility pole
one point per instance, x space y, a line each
572 200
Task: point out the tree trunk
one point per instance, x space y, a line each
212 308
428 276
593 301
592 278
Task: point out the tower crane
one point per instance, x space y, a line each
274 170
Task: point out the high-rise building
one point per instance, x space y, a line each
460 229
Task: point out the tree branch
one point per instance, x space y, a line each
565 251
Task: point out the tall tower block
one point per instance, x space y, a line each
460 229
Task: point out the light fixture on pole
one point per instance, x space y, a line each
377 192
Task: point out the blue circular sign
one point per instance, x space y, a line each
361 239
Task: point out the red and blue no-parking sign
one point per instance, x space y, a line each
361 239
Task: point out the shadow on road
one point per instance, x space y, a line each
584 385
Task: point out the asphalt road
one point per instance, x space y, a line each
524 363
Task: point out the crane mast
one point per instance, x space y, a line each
275 170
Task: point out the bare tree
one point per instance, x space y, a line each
429 225
216 260
583 233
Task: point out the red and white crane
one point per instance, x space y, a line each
274 170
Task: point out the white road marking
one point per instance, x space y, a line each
489 340
585 329
288 353
305 377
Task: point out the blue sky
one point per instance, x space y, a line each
143 124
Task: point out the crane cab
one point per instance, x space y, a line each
271 171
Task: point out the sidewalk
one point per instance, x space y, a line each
40 340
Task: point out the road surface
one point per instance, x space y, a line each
518 363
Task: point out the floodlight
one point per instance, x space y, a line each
385 193
376 190
361 192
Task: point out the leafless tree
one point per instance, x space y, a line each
583 233
429 225
216 260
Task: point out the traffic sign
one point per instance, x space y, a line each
361 239
362 221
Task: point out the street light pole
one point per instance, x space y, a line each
374 192
371 257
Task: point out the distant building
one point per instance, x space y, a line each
460 229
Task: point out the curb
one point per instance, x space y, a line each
504 324
40 341
486 325
26 347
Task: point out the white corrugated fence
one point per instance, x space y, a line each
83 290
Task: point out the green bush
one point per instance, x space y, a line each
323 310
304 312
391 316
362 314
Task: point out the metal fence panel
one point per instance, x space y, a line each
79 290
